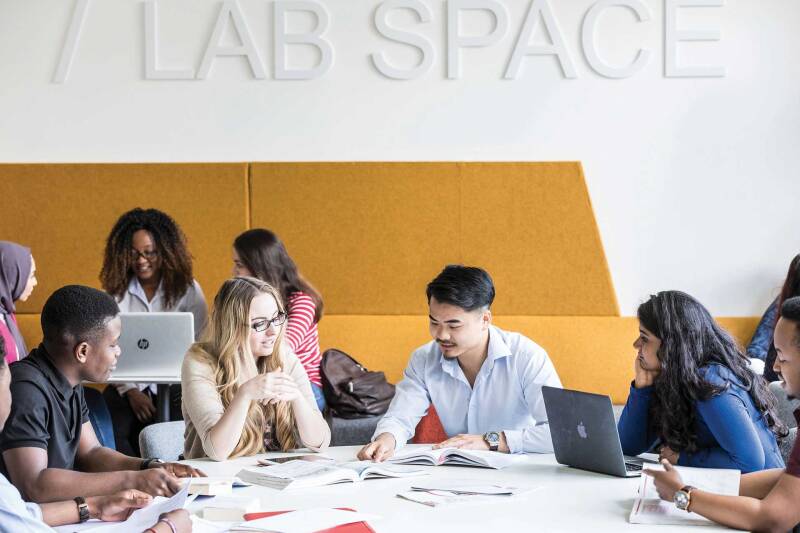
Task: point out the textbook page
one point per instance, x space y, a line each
648 508
455 456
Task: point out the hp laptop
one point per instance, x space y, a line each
153 346
585 434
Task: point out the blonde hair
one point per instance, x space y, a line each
226 345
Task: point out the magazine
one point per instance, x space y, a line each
454 456
298 474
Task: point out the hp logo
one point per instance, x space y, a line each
143 344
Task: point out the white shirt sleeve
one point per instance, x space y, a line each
536 371
410 403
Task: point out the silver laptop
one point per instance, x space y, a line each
585 433
153 346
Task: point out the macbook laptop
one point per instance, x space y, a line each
153 346
585 433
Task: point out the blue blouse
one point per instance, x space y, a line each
731 432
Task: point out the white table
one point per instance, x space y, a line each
566 499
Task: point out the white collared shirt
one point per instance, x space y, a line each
507 395
135 301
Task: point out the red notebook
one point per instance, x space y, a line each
355 527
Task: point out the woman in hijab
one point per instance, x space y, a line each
17 280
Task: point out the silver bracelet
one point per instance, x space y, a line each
169 523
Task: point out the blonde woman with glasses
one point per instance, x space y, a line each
244 392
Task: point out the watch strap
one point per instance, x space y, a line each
83 508
149 461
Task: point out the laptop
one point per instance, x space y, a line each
585 433
153 346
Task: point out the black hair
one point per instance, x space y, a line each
466 287
791 287
75 314
690 341
3 362
790 310
265 256
170 241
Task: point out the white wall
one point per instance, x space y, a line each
694 181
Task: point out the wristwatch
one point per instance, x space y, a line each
683 498
83 509
492 438
152 461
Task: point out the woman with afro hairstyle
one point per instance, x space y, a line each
147 268
694 398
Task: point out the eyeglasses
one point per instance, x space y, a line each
148 254
261 324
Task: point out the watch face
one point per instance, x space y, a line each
681 500
493 437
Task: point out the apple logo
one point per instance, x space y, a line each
582 430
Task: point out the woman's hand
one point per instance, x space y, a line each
667 453
643 377
141 404
271 387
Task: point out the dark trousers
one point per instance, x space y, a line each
99 417
126 426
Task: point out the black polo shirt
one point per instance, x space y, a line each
46 411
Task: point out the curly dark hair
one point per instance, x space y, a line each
265 256
691 340
176 262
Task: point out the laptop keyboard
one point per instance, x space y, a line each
633 467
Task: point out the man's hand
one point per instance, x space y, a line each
464 442
379 450
141 404
117 507
669 454
643 377
180 470
156 482
667 482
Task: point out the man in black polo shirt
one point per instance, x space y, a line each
49 448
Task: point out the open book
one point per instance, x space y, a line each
298 474
648 508
454 456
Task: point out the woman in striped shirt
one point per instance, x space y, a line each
261 254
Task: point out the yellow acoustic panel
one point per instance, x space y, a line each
593 354
64 213
370 236
31 329
532 227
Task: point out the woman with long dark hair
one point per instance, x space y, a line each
259 253
694 398
761 345
147 268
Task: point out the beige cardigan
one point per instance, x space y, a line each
202 405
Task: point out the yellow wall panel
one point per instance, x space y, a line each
370 236
65 212
532 227
593 354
